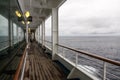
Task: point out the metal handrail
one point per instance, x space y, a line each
92 55
17 73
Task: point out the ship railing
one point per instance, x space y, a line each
101 67
48 44
19 74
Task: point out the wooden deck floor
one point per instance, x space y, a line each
40 67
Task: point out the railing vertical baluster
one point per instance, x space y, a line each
104 70
62 52
51 45
76 59
48 44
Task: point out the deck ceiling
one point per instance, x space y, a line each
39 9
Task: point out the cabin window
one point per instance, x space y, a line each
15 33
3 32
21 34
3 24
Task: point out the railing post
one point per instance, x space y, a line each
104 70
62 51
51 45
76 59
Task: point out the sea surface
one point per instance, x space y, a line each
4 41
106 46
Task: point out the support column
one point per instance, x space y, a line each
24 34
43 33
10 33
9 27
39 34
27 33
17 35
54 32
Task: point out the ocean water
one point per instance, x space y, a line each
105 46
4 41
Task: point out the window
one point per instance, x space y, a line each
14 33
3 32
21 34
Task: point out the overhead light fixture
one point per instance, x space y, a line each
18 13
23 22
27 14
29 18
28 22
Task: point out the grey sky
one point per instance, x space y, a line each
88 17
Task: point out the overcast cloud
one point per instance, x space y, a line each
88 17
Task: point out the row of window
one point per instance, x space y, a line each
8 18
17 32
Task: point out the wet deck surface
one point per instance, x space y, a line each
40 67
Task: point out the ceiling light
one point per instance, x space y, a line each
27 14
23 22
18 13
28 22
